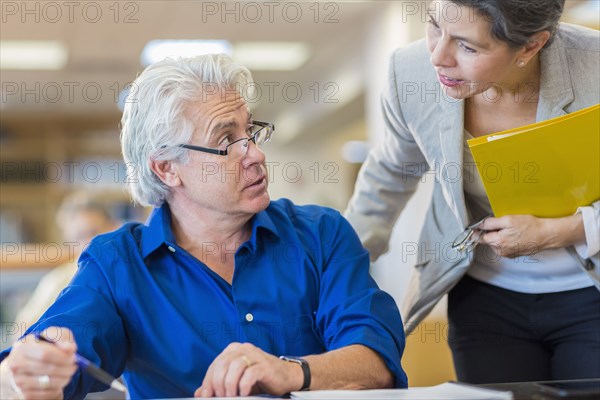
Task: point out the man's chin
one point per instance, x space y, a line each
260 202
266 201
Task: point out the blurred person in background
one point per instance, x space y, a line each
501 64
79 218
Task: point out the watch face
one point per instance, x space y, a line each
293 359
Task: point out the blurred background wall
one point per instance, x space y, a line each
319 69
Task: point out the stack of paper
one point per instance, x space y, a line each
445 391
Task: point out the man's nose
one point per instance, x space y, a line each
253 155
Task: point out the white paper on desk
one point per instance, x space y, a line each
445 391
224 398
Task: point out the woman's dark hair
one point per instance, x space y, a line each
515 21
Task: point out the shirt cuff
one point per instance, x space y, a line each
591 245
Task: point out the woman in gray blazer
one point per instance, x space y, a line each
523 303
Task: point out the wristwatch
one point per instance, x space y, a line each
305 369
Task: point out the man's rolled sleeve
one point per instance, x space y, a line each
352 309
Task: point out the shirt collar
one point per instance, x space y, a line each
262 222
158 229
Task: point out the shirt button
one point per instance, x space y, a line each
249 317
171 249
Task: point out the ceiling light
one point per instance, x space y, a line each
271 56
156 50
33 55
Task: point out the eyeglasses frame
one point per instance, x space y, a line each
252 139
466 241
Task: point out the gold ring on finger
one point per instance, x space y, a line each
247 361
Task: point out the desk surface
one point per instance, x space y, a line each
521 391
531 390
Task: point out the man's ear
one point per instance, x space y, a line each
533 47
166 172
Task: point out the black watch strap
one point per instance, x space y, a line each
305 369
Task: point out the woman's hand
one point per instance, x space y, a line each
519 235
35 369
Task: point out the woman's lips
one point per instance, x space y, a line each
447 81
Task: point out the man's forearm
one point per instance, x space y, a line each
352 367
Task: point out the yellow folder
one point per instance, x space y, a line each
546 169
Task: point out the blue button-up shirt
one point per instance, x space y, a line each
142 306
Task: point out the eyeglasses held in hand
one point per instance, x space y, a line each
468 239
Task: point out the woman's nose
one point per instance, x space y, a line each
441 55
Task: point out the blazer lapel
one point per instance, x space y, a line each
556 91
451 143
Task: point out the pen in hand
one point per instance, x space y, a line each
89 368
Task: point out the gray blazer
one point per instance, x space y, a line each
424 130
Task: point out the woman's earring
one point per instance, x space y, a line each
521 64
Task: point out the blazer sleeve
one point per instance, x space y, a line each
389 176
591 224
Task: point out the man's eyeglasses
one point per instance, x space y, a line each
468 239
258 133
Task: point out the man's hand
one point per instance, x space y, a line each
35 369
243 369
